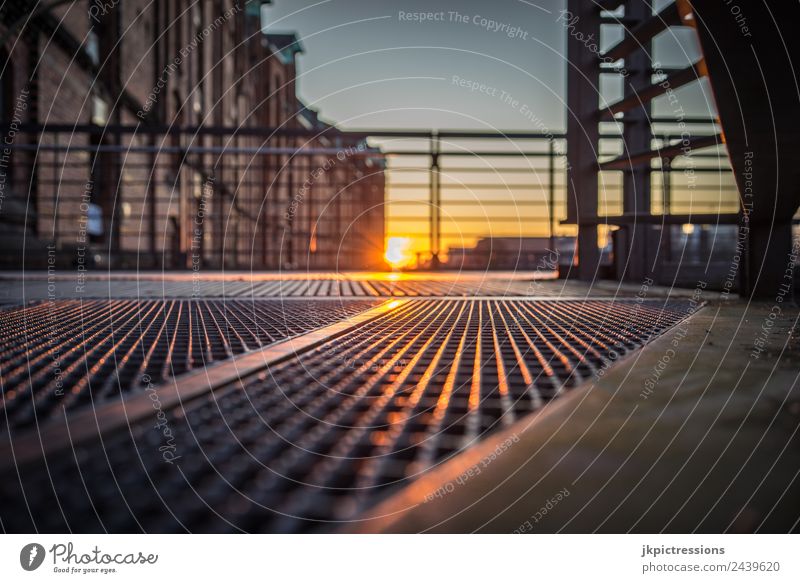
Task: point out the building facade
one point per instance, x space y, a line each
164 135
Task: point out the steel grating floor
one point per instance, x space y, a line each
64 355
332 429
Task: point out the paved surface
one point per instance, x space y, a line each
284 402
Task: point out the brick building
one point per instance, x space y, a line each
156 134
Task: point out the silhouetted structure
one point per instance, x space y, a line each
747 59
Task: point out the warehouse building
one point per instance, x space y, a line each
154 135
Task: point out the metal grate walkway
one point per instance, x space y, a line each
329 431
72 354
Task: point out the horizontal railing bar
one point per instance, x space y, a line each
670 219
493 170
188 151
485 154
478 186
460 202
327 132
500 134
255 168
72 130
469 219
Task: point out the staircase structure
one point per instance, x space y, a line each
747 51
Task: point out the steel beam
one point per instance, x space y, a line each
642 33
647 92
583 74
670 219
638 158
632 251
750 57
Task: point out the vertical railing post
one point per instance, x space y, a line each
552 192
666 178
55 188
435 201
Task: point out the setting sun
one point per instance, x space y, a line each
397 251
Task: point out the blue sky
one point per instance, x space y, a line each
367 65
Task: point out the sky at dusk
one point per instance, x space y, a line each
467 65
367 65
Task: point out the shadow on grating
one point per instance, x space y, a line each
73 354
331 431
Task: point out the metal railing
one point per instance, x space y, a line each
244 198
199 197
469 186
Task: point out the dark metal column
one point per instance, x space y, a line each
581 20
758 101
636 138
